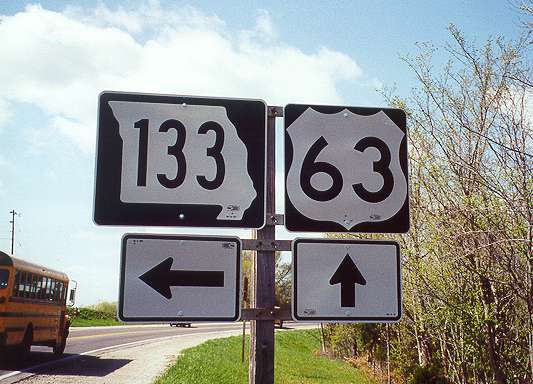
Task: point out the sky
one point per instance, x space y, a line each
57 57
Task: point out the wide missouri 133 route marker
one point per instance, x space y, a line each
346 280
180 161
169 278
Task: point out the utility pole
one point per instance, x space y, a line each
13 213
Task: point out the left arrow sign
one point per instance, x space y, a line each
161 278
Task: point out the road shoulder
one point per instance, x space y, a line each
140 362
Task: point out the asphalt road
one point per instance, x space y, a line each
94 339
82 340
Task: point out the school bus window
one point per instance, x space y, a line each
39 291
64 294
43 288
22 287
30 286
27 288
4 278
23 282
39 287
52 290
33 286
17 284
57 295
49 289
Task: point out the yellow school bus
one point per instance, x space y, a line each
32 307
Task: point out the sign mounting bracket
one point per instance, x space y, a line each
275 111
266 245
275 219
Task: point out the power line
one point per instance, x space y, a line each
13 213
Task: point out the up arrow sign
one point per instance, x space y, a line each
347 274
161 278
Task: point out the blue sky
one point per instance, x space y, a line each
56 58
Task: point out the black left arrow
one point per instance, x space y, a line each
347 274
161 278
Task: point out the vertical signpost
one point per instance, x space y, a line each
261 368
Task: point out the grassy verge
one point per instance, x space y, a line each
296 362
77 322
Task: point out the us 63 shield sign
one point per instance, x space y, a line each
345 169
180 161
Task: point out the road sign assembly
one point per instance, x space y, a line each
210 162
169 278
180 161
345 169
346 280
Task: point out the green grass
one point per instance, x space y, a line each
78 322
219 361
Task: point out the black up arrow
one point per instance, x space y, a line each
161 278
347 274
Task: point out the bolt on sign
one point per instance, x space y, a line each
345 169
180 161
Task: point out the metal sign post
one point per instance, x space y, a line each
261 370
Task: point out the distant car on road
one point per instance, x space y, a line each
180 324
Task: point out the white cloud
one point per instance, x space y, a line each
264 24
61 61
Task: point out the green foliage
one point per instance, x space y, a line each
91 314
467 260
105 306
283 282
344 339
96 315
428 375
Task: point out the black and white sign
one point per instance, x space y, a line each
180 161
174 278
345 169
346 280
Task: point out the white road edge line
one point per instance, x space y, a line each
43 365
